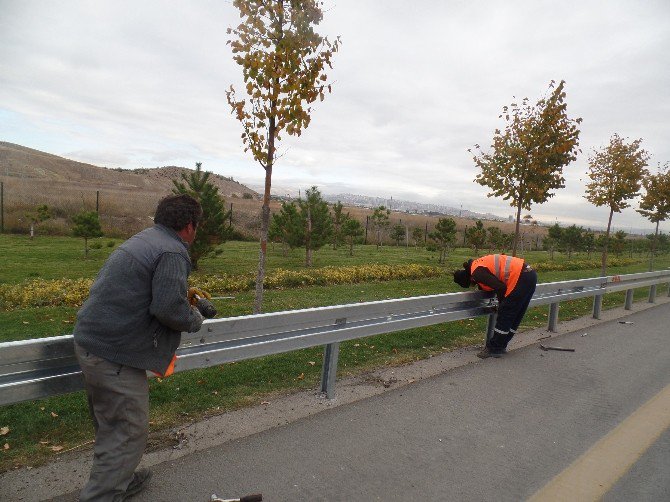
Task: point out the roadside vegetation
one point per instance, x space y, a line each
38 431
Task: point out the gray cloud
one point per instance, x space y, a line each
415 85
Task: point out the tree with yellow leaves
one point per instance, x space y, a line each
526 160
655 203
283 63
616 172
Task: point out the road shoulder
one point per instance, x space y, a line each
71 470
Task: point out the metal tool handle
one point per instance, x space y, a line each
254 497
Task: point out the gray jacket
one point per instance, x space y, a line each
137 307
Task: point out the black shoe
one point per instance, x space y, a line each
139 482
487 352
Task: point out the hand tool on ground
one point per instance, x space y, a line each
255 497
563 349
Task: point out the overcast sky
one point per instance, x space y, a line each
142 84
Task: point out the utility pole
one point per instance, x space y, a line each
2 207
367 220
97 201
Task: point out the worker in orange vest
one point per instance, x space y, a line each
513 282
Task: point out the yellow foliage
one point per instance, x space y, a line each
73 292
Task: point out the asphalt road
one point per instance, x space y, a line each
494 430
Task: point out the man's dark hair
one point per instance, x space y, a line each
463 277
177 211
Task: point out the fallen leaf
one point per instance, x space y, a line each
54 414
357 344
6 447
56 448
216 392
265 402
4 431
41 408
395 351
26 322
67 322
301 376
44 442
311 363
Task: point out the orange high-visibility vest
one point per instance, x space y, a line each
506 268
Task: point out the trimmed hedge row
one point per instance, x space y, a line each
73 292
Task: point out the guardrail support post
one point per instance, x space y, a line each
490 326
329 370
652 293
553 317
597 306
629 300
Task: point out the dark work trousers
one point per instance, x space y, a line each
118 399
512 309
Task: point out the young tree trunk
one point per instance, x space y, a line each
516 228
351 247
653 249
85 248
308 239
603 268
265 223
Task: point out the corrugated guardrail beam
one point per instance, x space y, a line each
33 369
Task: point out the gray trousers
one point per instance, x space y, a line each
118 399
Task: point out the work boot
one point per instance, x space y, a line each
488 352
139 482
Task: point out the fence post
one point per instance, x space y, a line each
629 300
553 317
490 326
597 306
2 207
367 222
652 293
329 369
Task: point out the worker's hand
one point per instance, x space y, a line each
195 294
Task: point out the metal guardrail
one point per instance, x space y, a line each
34 369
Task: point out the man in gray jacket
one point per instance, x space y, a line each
131 323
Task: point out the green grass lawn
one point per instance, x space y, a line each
35 427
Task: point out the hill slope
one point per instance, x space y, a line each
24 163
125 198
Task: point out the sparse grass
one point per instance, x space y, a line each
185 397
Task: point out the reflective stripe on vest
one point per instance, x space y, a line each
506 268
